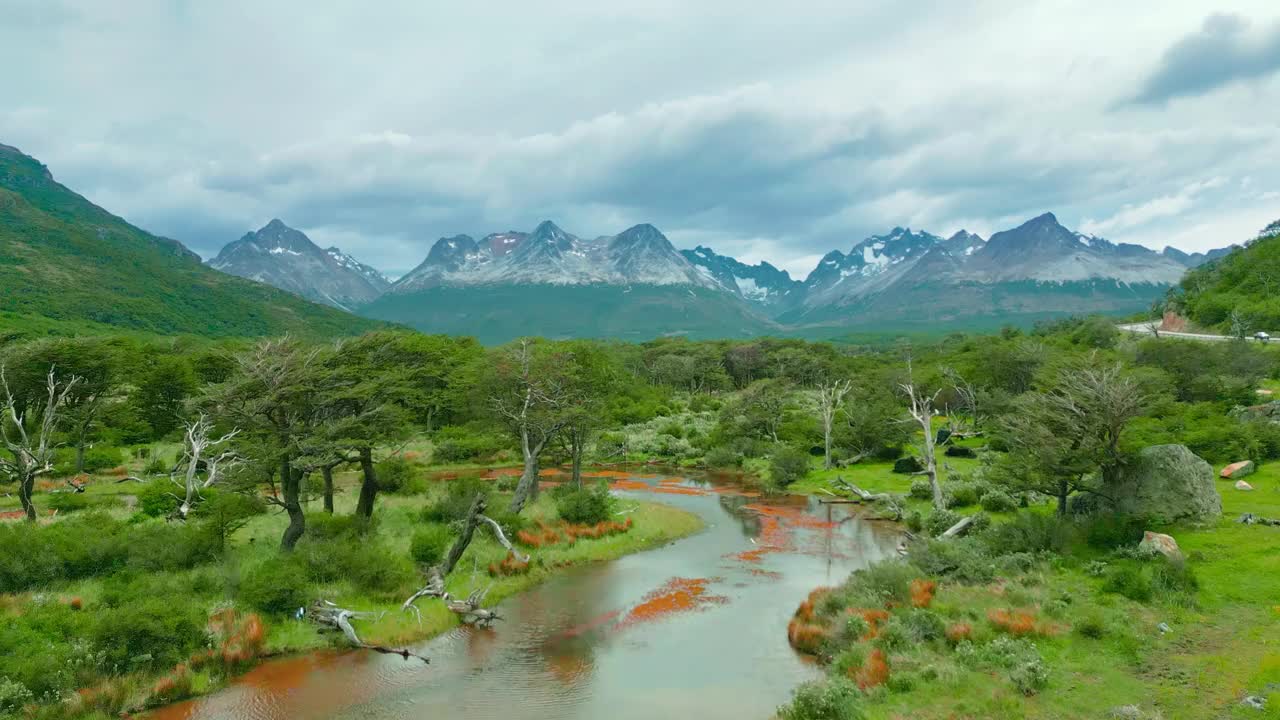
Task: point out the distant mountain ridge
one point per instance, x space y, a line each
284 257
67 265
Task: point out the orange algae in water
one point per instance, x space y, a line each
678 595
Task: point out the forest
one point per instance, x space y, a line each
170 505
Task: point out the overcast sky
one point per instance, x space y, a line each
774 133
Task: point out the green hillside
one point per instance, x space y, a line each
497 313
67 265
1239 292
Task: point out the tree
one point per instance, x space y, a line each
198 448
28 436
163 392
872 421
529 394
762 408
590 377
362 384
920 408
1068 439
273 398
830 399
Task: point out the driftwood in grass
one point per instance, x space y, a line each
958 529
1251 519
330 615
469 610
886 504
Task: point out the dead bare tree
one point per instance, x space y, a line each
197 454
31 449
830 396
531 402
333 616
470 609
920 408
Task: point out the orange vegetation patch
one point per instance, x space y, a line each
803 632
794 517
874 617
958 632
630 485
509 566
545 534
922 592
495 473
1019 622
619 474
773 538
674 490
678 595
875 671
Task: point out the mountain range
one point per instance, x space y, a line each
636 284
67 263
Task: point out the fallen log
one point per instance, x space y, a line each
330 615
958 529
468 610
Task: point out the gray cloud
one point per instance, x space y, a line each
774 134
1221 52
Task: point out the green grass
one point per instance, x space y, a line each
1223 646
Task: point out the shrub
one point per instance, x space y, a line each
959 632
887 581
278 585
465 444
962 494
874 672
1091 627
150 631
914 521
788 465
158 498
67 502
430 543
397 474
907 465
1030 532
1030 677
1003 652
939 521
156 466
924 626
326 526
456 502
921 490
373 567
583 506
1130 582
14 696
1108 531
723 457
1169 578
998 501
832 699
922 592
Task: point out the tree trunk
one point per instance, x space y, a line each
528 485
26 487
464 539
80 456
576 451
368 484
291 480
826 444
327 472
1062 499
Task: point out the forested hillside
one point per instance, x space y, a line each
315 470
1238 293
67 266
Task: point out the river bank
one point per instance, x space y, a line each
1090 630
600 639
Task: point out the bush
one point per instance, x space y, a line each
1091 627
278 585
430 543
466 444
156 466
326 526
923 625
150 632
583 506
1130 582
914 521
456 502
962 494
67 502
998 501
723 457
397 475
921 489
833 699
939 521
611 444
1030 532
1170 578
1108 531
14 696
1030 677
907 465
158 498
788 465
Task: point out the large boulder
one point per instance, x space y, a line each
1168 483
1238 469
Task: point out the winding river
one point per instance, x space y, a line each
693 629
